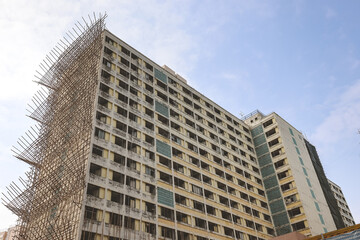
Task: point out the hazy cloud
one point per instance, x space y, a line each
343 120
330 13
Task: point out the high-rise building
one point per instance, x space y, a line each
342 204
126 149
294 192
325 186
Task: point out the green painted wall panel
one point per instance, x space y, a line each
163 148
270 182
261 150
283 230
264 160
280 219
273 194
160 75
256 131
267 171
162 109
277 206
165 197
259 140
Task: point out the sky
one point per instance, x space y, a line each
300 59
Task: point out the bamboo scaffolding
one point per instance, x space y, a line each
58 146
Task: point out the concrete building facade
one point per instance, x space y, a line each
294 192
166 161
163 161
342 204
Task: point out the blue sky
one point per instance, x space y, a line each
300 59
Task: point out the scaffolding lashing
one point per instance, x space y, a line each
48 201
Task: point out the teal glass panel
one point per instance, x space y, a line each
308 182
312 194
305 172
291 131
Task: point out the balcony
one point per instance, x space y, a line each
97 180
94 201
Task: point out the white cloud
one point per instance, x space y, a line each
344 120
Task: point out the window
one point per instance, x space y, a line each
150 208
167 213
229 231
247 209
182 217
179 182
91 213
180 199
210 210
130 202
267 217
234 204
226 215
294 212
206 179
249 224
201 223
150 171
286 186
221 186
194 161
166 177
298 226
101 117
177 153
199 206
93 190
149 188
131 164
117 197
129 223
205 166
280 163
197 190
98 151
195 174
178 167
150 228
164 161
115 219
118 177
213 227
131 182
99 133
224 200
208 194
244 196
